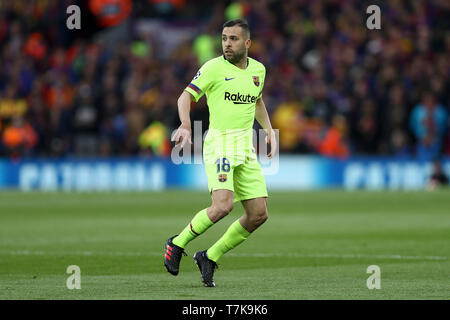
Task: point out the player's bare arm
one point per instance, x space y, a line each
262 116
183 132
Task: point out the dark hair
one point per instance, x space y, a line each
238 22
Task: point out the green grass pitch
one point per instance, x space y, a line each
315 245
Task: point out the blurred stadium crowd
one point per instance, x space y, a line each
333 87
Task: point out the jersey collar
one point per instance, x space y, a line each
248 62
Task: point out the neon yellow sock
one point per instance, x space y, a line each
235 235
199 224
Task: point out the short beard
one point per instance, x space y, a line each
236 57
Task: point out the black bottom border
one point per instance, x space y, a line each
223 309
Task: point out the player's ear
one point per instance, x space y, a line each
248 43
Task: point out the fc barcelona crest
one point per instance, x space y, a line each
222 177
256 80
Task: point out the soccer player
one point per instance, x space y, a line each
233 86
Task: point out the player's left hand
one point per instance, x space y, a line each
272 140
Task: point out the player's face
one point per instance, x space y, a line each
234 43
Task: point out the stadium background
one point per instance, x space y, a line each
92 110
334 89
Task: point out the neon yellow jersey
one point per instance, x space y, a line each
231 93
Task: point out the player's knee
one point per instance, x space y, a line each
221 209
263 217
225 207
259 217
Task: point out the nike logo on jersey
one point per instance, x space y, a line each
227 79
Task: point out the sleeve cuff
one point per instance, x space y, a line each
194 90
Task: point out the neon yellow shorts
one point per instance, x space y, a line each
239 172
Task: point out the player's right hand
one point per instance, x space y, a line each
182 134
272 140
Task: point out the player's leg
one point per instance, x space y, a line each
220 179
222 204
255 213
250 188
221 188
220 184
